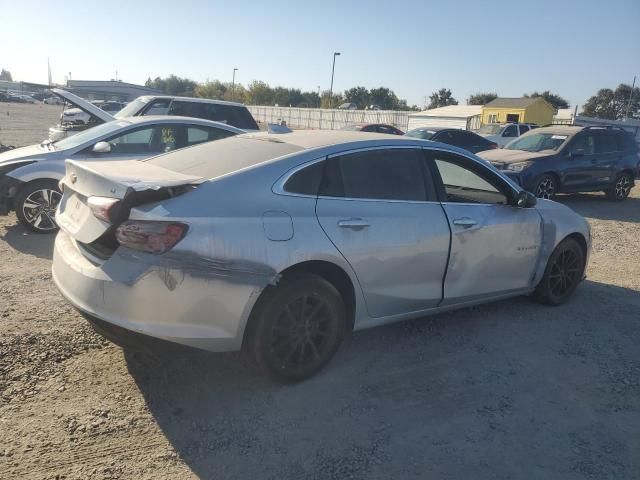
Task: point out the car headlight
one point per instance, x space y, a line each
518 166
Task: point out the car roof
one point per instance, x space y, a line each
193 100
307 139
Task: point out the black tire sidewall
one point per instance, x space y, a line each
543 291
22 195
289 289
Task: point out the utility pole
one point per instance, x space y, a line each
319 98
233 84
333 68
630 97
49 70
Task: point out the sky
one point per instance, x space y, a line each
572 48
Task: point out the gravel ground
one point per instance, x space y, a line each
508 390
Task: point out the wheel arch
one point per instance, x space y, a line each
329 271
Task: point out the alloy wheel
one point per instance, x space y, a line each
301 333
39 209
623 187
565 272
546 188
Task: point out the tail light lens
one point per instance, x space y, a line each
150 236
102 207
493 145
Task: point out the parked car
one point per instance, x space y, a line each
234 114
81 117
503 133
29 176
281 244
53 100
454 136
567 159
347 106
374 107
373 127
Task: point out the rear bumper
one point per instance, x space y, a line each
168 304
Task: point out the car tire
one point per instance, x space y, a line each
36 204
297 328
562 274
546 187
621 188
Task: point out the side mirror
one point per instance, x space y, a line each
526 199
577 153
101 147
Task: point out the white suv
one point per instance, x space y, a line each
503 133
234 114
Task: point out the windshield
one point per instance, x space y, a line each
87 135
490 129
422 133
537 142
133 108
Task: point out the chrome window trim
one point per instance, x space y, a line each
278 186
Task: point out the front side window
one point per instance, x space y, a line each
510 131
156 139
394 174
584 143
463 185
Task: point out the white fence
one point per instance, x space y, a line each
325 119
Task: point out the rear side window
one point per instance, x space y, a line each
235 115
606 143
306 181
524 129
394 174
584 143
628 143
510 131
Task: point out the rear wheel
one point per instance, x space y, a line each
36 205
297 328
621 188
547 187
563 273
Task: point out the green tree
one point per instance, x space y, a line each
6 75
259 93
612 104
554 99
481 98
357 95
173 85
215 90
441 98
384 97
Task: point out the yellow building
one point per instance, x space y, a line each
518 110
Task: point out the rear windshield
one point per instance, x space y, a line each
422 133
214 159
236 115
490 129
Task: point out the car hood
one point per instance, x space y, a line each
505 155
83 105
34 152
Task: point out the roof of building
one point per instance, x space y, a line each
522 102
454 111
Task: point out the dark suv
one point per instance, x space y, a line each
565 159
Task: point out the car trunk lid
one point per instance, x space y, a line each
126 182
83 105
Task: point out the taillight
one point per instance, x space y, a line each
494 145
150 236
102 207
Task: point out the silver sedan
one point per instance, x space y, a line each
281 244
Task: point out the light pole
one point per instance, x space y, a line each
319 98
333 68
233 84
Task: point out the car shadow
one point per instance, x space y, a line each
598 206
36 244
400 399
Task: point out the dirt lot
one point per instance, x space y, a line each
509 390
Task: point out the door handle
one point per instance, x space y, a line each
353 223
465 222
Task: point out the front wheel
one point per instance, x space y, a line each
621 188
546 187
562 275
298 327
36 206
